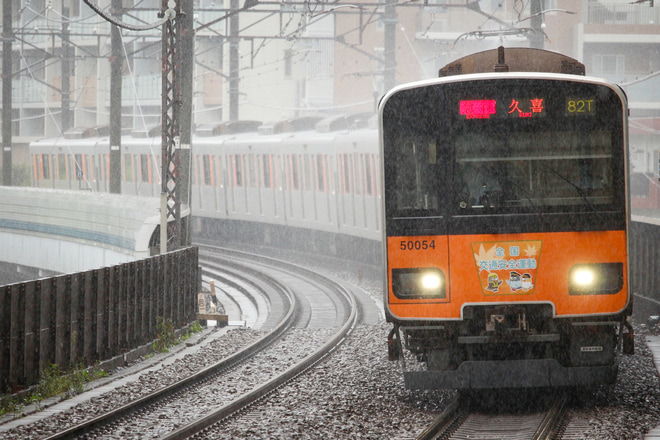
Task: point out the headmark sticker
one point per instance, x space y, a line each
507 268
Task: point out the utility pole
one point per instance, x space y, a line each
234 40
537 37
389 53
7 40
116 67
67 59
187 50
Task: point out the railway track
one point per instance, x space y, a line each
225 387
461 422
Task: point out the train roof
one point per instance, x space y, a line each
243 131
514 59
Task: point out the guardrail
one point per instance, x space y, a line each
94 315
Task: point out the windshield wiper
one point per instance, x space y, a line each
579 190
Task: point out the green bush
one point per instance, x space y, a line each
164 335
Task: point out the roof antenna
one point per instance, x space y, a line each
501 65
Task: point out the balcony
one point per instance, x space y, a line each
622 13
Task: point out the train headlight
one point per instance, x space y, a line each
595 279
583 277
418 283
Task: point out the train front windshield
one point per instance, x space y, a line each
531 150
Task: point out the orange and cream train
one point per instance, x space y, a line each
506 217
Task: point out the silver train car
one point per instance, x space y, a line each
306 183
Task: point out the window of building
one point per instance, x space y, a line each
609 64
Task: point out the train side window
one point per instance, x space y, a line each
307 172
45 162
37 173
136 168
144 168
287 172
266 171
356 172
61 167
293 164
417 182
330 167
206 166
128 168
230 171
218 170
90 168
238 170
346 173
252 175
313 178
258 171
78 166
277 166
320 173
368 182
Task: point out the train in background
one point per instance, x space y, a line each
309 182
506 224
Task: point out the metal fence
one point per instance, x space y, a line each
89 316
644 260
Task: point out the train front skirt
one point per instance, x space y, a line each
525 373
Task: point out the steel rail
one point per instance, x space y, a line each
447 423
444 422
552 420
247 399
160 394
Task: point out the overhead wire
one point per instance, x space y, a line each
168 14
65 19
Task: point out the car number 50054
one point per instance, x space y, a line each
417 245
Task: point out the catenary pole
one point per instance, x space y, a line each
234 41
116 66
7 40
67 60
187 51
